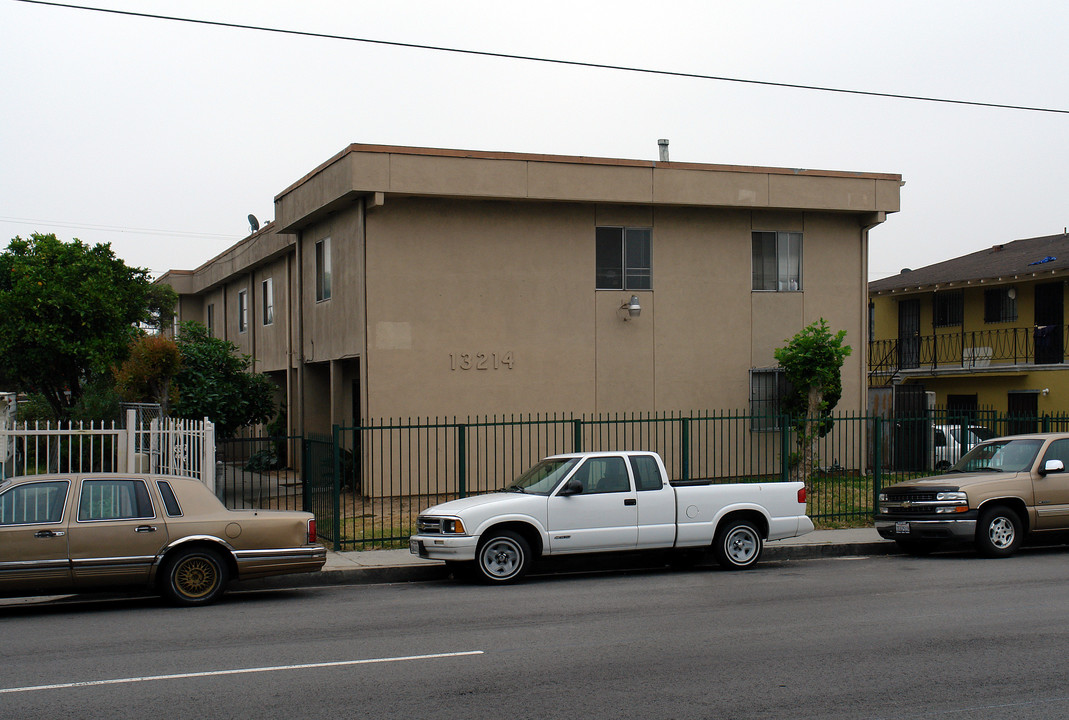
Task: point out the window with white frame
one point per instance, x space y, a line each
267 289
323 269
777 261
243 310
624 258
768 390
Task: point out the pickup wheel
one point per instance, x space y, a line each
502 558
738 545
998 532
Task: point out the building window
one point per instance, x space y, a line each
768 389
268 291
243 310
323 269
624 258
947 309
209 318
777 261
1000 305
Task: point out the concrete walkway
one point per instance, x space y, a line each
376 566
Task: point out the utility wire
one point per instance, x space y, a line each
554 61
114 228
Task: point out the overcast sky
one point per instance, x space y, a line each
160 137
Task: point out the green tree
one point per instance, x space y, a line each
147 373
215 382
812 361
68 312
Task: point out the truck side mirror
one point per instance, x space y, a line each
572 487
1053 466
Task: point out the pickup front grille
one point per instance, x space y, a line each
911 497
429 525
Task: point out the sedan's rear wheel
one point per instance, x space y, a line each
197 576
503 558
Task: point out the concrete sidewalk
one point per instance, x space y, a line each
378 566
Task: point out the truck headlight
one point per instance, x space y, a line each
883 497
452 526
956 495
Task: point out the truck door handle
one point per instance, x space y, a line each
48 534
145 528
630 501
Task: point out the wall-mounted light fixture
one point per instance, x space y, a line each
632 307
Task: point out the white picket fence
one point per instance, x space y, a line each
164 447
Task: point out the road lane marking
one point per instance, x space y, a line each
237 671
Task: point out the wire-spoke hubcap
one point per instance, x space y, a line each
1001 532
196 577
741 545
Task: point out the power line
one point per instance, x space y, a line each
115 228
554 61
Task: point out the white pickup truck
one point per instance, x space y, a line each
603 502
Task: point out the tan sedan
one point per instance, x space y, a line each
73 533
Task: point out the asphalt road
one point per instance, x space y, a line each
949 636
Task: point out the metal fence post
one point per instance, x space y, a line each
877 471
336 430
577 435
462 460
207 456
684 448
785 448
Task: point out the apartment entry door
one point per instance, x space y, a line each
1049 319
909 334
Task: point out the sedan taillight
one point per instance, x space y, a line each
311 531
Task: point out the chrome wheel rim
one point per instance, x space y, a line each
1001 532
741 545
501 558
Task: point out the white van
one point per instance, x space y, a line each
948 445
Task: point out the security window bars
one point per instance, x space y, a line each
1000 305
323 270
768 389
777 261
947 309
624 258
268 291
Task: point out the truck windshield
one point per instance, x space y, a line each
543 477
1000 456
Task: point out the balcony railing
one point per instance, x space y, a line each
968 351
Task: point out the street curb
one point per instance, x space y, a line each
438 571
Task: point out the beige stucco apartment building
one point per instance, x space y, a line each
400 282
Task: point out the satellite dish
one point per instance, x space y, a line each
254 224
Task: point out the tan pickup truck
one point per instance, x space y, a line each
997 494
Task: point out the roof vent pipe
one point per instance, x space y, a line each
662 145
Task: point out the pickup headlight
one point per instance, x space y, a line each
883 497
951 496
452 526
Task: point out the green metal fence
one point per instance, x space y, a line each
366 485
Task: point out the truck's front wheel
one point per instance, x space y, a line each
998 532
738 545
503 557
